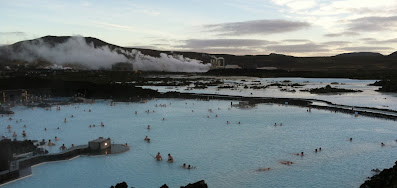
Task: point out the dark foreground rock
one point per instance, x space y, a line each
8 148
120 185
387 85
199 184
385 179
329 89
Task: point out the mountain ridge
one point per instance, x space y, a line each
351 60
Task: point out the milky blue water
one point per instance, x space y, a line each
368 98
226 155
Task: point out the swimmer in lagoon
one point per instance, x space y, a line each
42 142
50 143
56 138
382 144
146 138
286 163
158 157
263 169
148 127
184 165
14 134
351 139
170 158
64 120
63 147
24 133
190 167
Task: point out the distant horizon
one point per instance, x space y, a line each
301 28
143 47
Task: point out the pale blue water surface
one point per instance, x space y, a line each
226 155
368 98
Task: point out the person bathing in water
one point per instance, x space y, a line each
170 158
158 157
50 143
263 169
63 147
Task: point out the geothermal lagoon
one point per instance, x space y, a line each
197 133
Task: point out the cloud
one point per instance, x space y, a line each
346 33
296 5
297 40
214 43
368 39
234 51
373 23
389 41
365 48
15 33
336 43
256 27
297 48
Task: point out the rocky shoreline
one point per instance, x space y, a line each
199 184
328 89
387 178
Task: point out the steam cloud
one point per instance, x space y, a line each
76 51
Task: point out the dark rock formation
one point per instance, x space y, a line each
329 89
199 184
8 148
387 85
120 185
385 179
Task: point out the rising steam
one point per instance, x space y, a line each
76 51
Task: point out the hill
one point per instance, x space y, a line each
358 61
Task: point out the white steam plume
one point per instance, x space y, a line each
76 51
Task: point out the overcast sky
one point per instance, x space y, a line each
293 27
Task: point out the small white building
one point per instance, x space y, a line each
99 144
217 62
